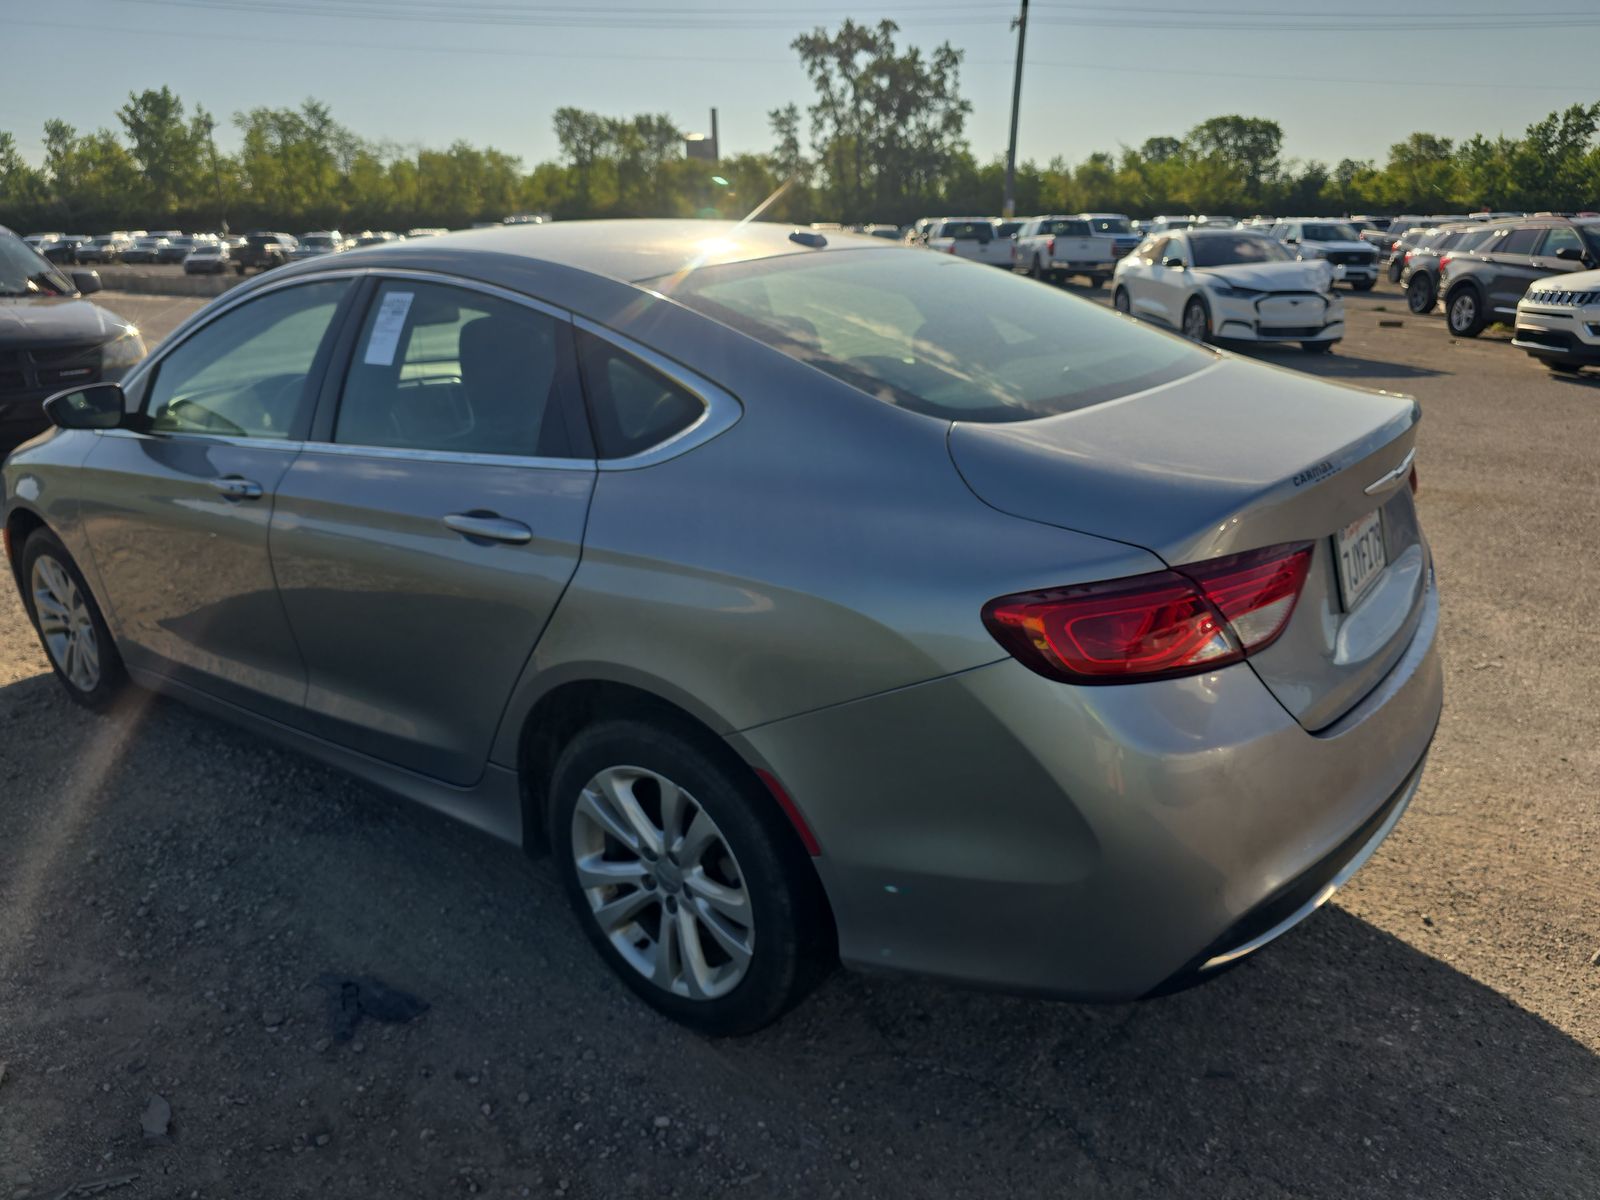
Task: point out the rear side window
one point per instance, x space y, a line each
453 370
1518 241
943 337
1067 228
632 406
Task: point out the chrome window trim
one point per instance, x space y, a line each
219 439
463 457
722 409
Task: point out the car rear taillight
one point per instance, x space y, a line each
1050 247
1406 257
1444 261
1168 623
950 249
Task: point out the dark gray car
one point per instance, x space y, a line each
807 596
51 337
1485 285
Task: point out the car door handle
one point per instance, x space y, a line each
490 527
236 487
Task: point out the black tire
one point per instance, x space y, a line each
1120 301
1319 347
1036 270
1189 321
1420 295
111 677
1364 285
238 268
1395 268
790 932
1463 311
1563 368
1097 281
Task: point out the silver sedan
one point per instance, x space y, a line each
809 598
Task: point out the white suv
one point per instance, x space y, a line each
1558 320
1354 261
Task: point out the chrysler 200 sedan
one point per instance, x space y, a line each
806 597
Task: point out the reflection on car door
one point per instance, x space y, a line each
423 539
1144 283
177 515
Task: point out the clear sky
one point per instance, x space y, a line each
1343 81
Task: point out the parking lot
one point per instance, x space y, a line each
172 890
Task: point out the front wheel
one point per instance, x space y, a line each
685 877
1363 285
69 623
1420 297
1196 321
1464 313
1120 301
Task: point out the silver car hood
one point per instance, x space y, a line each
1234 457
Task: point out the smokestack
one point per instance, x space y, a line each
716 144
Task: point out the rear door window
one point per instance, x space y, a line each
1518 241
453 370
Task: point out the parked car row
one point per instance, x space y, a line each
211 252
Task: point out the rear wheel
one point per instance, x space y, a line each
1120 301
1196 321
1564 368
1464 312
1420 296
1037 269
685 878
1395 268
69 624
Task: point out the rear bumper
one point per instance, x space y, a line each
1000 829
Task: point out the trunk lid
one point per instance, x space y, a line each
1235 458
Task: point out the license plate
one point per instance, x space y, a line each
1362 556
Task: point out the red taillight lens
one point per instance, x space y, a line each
1050 247
1444 261
1156 626
1406 257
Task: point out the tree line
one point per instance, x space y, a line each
884 140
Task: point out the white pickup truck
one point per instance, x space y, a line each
1053 248
970 237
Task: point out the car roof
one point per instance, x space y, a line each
626 250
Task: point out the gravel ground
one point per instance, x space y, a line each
172 889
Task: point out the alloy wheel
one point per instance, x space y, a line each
1194 323
662 883
65 623
1463 311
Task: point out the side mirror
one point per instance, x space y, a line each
1172 262
1570 253
1291 241
96 406
87 282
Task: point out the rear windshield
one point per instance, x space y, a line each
1065 228
1330 233
1222 250
1110 224
938 335
967 231
1006 228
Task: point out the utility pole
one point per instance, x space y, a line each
1020 24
